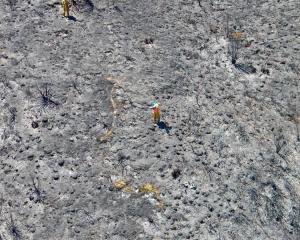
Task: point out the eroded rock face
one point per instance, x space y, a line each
75 117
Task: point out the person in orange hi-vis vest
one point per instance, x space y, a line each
66 7
155 109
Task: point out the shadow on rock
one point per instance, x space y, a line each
245 68
165 126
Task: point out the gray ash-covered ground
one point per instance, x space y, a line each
75 119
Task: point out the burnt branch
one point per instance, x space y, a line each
13 229
46 97
12 116
279 140
75 86
122 162
38 194
227 26
233 49
1 204
297 123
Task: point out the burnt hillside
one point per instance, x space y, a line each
79 155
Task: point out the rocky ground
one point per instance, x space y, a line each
224 162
